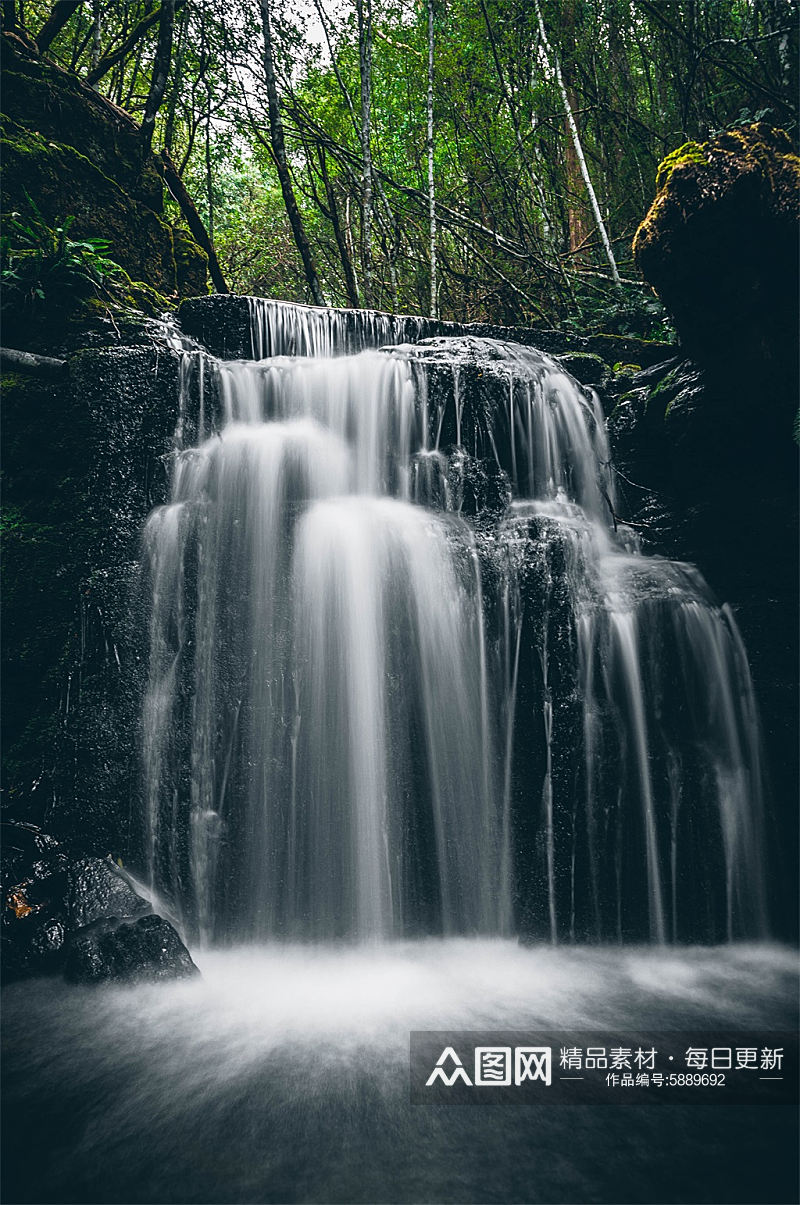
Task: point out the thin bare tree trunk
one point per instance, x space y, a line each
137 33
26 361
576 142
9 14
431 182
158 80
97 32
177 80
281 163
350 285
364 10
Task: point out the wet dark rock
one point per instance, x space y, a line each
708 470
98 891
147 949
480 488
656 372
78 915
720 242
585 366
221 323
85 461
34 900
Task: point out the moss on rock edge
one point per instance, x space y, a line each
719 246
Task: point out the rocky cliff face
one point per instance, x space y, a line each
709 474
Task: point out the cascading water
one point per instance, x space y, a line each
406 678
407 681
319 756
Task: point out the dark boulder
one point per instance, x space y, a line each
147 949
80 915
719 245
585 366
35 901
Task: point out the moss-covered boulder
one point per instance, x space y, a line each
585 366
76 154
719 245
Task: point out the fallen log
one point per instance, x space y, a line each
34 365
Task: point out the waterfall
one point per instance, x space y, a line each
405 676
279 329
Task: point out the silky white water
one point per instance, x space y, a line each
382 703
412 689
281 1074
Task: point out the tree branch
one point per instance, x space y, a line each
33 365
59 15
137 33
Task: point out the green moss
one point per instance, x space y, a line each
585 366
191 264
626 369
63 181
690 152
74 155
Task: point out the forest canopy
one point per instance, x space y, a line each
471 159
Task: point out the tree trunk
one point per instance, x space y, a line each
282 165
59 15
579 228
576 143
209 173
28 362
177 80
160 75
193 220
364 9
350 284
431 184
97 32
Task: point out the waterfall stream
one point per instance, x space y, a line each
405 676
430 748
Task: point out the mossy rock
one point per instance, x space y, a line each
585 366
614 349
62 181
58 107
76 155
690 152
719 245
626 369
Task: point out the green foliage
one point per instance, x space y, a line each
42 264
517 238
625 310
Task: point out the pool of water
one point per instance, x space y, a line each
281 1075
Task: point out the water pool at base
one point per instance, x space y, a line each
281 1075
